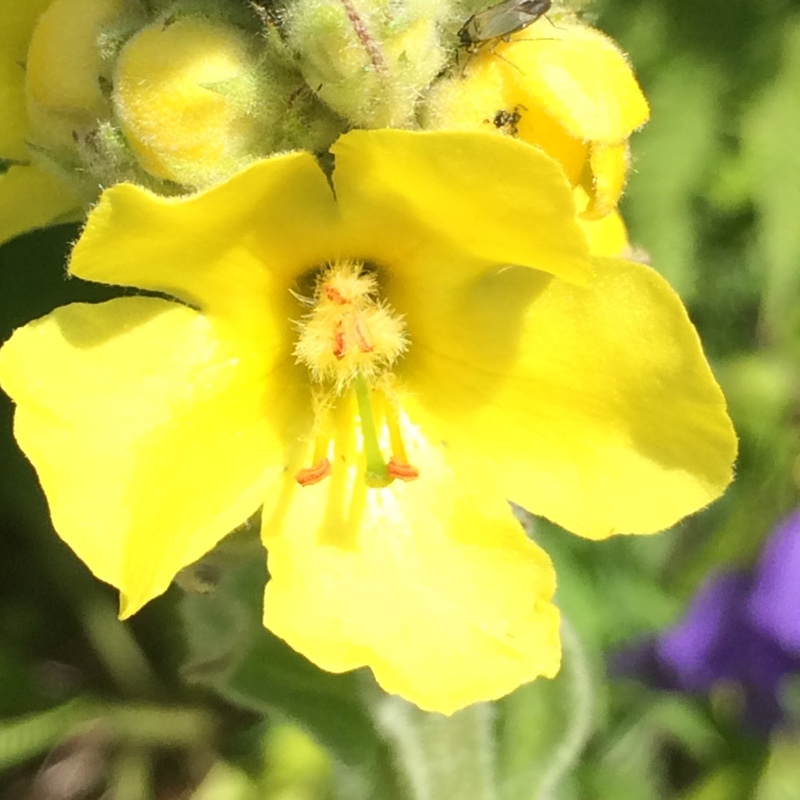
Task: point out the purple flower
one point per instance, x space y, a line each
774 604
741 628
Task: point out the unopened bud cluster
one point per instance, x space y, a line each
179 95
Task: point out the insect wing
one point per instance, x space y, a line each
505 18
534 8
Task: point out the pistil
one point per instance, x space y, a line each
377 474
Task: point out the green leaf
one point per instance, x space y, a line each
729 782
226 782
781 778
769 133
671 160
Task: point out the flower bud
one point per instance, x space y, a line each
67 71
368 62
187 99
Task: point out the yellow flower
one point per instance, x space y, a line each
472 356
564 87
31 195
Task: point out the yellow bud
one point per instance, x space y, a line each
65 69
186 97
64 62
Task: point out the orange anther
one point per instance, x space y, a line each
335 296
362 336
311 475
339 342
405 472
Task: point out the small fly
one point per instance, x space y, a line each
500 21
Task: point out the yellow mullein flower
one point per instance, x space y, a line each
378 366
31 195
564 87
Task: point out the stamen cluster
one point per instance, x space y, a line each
349 332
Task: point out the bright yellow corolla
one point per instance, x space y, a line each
378 367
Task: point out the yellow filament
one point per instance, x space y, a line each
395 434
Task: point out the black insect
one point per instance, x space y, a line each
500 21
508 121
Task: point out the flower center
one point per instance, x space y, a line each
349 340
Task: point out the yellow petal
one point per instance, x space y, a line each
232 250
400 189
537 126
32 198
64 59
579 75
608 236
488 98
430 583
19 19
595 404
148 431
608 170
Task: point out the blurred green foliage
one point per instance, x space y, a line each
92 707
